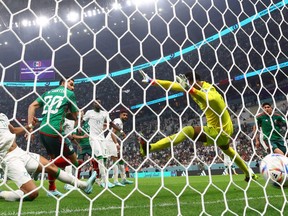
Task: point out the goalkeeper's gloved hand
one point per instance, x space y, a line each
146 78
183 81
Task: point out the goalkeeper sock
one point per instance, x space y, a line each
180 137
11 195
238 160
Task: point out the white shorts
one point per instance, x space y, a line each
112 149
19 164
99 147
227 160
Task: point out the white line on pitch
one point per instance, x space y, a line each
68 211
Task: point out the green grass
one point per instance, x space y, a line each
195 195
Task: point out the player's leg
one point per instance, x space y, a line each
228 150
278 147
113 154
64 177
123 173
52 145
97 148
14 165
188 131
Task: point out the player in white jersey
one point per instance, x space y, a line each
98 120
227 164
18 164
114 147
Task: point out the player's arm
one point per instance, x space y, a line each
32 110
163 83
116 128
22 130
75 136
257 139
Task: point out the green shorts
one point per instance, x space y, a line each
212 135
277 144
53 145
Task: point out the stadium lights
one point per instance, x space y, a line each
42 21
116 6
73 16
25 22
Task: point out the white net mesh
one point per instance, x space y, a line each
239 46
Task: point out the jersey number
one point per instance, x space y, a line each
52 104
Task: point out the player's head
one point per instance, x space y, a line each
97 105
124 114
267 108
70 83
193 79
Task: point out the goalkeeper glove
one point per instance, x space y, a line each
182 80
146 78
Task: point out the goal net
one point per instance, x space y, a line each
240 47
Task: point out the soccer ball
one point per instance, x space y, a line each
274 168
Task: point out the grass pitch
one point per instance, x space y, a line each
194 195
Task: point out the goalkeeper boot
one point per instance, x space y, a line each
252 176
55 193
90 183
143 146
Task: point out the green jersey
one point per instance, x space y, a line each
56 103
271 126
85 141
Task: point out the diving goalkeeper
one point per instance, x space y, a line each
219 126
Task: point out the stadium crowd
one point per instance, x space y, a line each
243 96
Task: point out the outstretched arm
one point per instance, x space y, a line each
21 130
163 83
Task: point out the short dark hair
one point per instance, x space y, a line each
190 76
62 80
265 104
123 110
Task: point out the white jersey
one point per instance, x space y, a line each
96 121
6 137
68 126
118 122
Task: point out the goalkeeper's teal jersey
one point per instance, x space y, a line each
55 105
271 126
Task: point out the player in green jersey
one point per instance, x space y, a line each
271 124
56 103
219 128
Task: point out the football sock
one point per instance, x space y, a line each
51 180
238 160
178 138
102 169
122 170
115 172
61 162
69 179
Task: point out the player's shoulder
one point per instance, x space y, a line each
117 120
3 116
261 115
277 114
